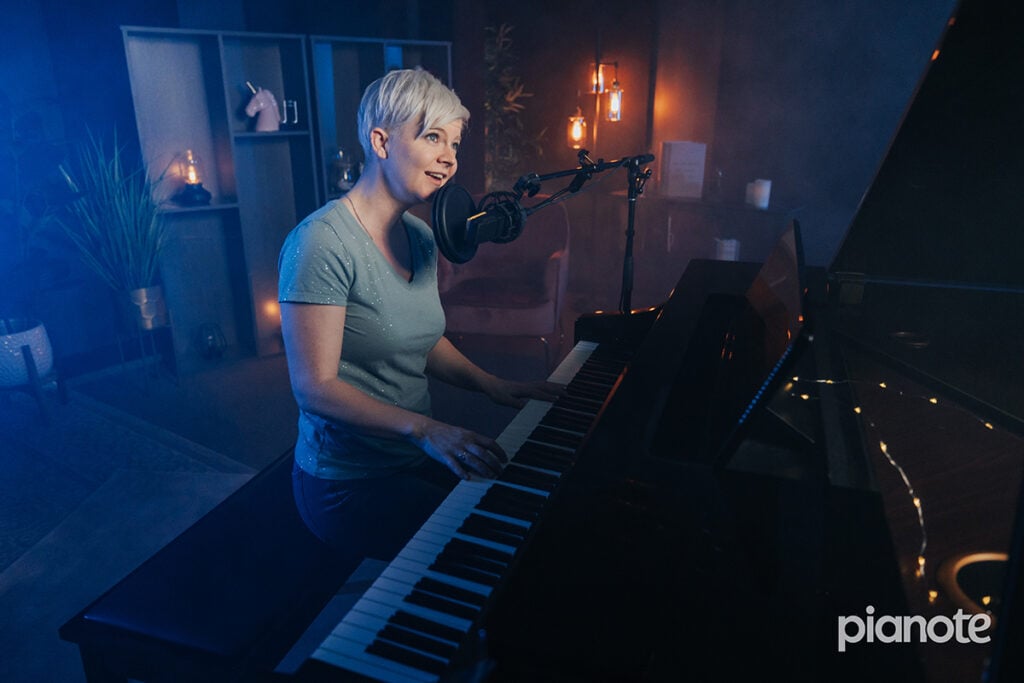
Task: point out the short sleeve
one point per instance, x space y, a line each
314 266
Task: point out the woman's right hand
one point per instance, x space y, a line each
464 452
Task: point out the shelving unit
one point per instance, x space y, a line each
342 68
189 89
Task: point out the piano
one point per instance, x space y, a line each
876 475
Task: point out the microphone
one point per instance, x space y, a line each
498 220
460 226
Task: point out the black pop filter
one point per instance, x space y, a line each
453 205
460 226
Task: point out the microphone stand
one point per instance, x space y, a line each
637 180
529 184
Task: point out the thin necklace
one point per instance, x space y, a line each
363 226
355 213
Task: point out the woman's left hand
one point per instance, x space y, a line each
516 394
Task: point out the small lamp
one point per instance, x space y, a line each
576 132
193 194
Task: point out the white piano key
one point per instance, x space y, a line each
448 578
347 654
415 553
392 600
409 578
386 596
572 363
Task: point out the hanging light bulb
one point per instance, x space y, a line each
597 79
615 101
576 132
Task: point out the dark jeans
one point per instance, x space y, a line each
371 517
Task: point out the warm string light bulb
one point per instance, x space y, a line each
916 502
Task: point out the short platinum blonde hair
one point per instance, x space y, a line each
407 95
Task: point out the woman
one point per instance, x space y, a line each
359 283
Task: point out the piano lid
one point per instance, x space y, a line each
945 205
932 259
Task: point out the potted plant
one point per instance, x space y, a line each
118 228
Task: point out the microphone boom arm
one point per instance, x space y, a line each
529 184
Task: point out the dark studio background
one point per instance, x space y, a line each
807 94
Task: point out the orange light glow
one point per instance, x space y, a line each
191 168
935 55
272 309
576 133
615 102
597 79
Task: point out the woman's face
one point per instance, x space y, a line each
416 165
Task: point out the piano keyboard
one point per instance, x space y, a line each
410 623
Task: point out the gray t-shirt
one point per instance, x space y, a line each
390 326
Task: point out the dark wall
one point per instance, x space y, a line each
411 19
804 93
810 94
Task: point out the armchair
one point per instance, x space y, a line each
515 289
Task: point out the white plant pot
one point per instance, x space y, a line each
14 334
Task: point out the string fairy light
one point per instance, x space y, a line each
915 501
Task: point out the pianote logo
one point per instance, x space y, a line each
964 628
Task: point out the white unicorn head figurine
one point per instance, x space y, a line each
264 105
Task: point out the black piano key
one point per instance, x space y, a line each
449 591
473 561
475 549
493 530
583 390
410 658
508 508
597 376
578 424
417 641
422 625
580 405
470 548
461 571
557 411
546 462
555 437
527 499
439 604
512 502
546 450
517 474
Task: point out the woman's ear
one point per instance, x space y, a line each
379 140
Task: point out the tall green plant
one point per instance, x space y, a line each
115 224
507 146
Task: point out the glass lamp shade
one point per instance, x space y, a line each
615 102
193 193
576 131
